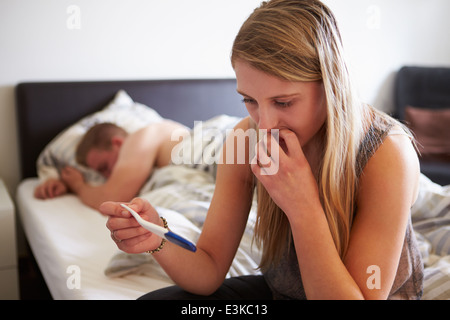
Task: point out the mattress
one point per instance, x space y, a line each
69 239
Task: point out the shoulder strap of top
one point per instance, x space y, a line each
380 127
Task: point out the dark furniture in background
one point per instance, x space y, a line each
429 88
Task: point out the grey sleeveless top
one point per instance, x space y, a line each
285 279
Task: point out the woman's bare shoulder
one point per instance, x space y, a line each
395 162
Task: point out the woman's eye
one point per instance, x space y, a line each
283 104
248 101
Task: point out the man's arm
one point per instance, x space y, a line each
138 156
50 188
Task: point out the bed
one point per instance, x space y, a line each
70 242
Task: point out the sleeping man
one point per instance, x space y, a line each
125 160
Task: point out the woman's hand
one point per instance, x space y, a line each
283 169
126 231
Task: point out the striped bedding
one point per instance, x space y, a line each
431 222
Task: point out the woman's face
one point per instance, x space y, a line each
274 103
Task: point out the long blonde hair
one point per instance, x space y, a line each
299 40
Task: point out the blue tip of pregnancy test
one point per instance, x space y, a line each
173 237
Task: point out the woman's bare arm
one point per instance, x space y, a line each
201 272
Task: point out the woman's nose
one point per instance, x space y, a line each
267 118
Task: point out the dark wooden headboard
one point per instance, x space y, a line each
46 108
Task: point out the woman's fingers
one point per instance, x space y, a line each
113 209
126 232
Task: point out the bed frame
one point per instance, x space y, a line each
46 108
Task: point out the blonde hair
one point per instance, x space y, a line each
98 136
299 40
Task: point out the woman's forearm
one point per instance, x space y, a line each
194 272
324 275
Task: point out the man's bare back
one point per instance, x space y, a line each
126 165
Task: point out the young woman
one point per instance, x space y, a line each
334 220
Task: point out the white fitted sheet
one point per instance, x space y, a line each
63 232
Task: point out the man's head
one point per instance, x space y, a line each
99 148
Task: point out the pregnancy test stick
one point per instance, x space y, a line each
162 232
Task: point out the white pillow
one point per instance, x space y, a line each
60 152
